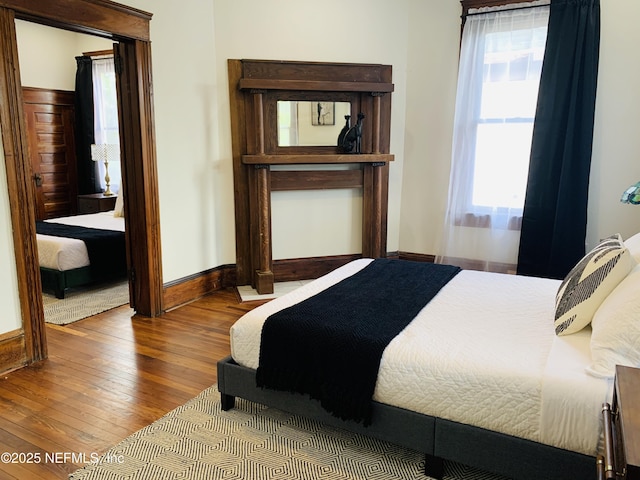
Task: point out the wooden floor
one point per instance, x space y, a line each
106 377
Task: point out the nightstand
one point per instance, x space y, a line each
96 202
622 428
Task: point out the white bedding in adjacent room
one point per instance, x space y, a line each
482 352
60 253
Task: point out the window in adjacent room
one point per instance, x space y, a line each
105 105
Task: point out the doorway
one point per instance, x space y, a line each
130 27
70 102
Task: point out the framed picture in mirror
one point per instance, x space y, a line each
323 113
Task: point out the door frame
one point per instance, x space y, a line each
130 28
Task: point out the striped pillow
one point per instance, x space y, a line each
588 284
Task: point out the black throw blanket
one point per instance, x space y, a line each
330 345
106 248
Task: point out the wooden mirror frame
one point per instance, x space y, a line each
130 27
255 86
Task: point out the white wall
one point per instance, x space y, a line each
434 42
10 319
47 55
195 182
616 146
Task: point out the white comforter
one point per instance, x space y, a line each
60 253
483 352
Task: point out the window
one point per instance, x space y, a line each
105 105
511 66
501 56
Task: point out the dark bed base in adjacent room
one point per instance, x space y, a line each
58 282
439 439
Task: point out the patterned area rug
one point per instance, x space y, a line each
81 303
199 441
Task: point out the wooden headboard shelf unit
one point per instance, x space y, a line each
255 87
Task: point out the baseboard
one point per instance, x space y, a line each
416 257
193 287
13 351
185 290
471 264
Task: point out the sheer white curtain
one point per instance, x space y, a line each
105 106
500 62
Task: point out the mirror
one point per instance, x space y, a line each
310 123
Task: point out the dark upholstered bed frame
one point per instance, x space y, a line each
439 439
58 282
108 249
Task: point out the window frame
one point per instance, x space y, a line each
469 4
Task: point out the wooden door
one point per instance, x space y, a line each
49 116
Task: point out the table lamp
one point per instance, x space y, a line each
103 152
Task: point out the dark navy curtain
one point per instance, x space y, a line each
88 180
554 221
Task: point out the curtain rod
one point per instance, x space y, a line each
505 10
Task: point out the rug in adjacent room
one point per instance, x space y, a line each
84 302
200 441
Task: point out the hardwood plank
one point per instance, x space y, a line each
106 377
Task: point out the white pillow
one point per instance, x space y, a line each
633 244
588 284
119 208
615 336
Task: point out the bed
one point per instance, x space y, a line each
80 250
504 384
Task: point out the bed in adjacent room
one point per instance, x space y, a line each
81 249
502 372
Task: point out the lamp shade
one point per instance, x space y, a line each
631 195
105 152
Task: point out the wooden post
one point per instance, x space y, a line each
263 279
258 114
376 122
